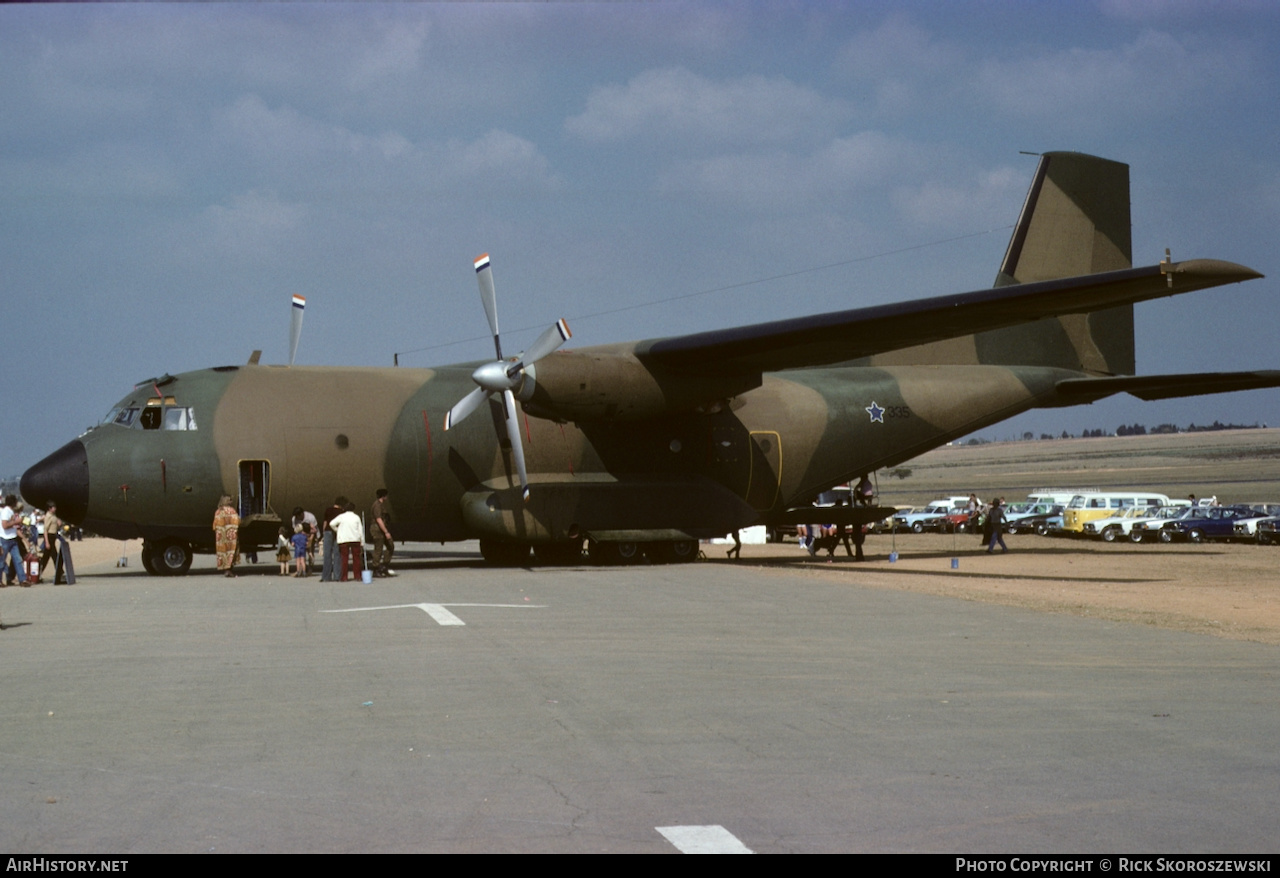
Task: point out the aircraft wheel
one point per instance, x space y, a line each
501 553
147 564
917 528
672 551
1109 535
614 553
171 558
560 554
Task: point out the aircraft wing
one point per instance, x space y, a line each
839 336
1151 387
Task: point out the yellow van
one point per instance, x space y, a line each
1104 504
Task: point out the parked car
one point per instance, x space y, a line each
917 518
1207 523
1156 528
1246 528
1028 517
1117 526
1268 532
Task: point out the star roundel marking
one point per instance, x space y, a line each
877 413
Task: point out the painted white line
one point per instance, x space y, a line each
438 612
703 840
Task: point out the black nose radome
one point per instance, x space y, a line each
63 478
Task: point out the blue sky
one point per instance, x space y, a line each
174 173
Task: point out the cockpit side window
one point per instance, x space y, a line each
153 416
123 416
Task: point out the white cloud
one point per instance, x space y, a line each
933 203
900 62
1154 73
309 152
675 102
779 180
254 224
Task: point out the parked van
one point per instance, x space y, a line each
1104 504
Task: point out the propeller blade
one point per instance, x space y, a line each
464 407
484 274
513 433
295 326
546 343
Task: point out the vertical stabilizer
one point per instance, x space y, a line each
1075 221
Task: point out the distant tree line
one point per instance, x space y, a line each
1142 430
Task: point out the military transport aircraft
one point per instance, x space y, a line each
641 449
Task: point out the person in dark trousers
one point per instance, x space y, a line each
995 523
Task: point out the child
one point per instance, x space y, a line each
300 551
284 550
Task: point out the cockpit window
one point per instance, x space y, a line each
177 418
155 415
124 416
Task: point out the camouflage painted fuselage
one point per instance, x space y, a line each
328 431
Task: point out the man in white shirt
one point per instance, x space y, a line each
350 537
9 545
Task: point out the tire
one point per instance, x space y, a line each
147 564
1042 529
1110 534
672 551
1135 536
171 558
615 554
1166 535
560 554
501 553
917 528
1195 535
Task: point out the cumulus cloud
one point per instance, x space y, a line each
988 196
1144 78
899 60
298 147
675 102
253 224
776 179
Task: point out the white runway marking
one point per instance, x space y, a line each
703 840
438 611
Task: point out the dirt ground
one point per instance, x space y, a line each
1227 590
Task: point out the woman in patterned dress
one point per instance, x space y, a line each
226 531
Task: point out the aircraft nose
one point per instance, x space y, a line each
62 477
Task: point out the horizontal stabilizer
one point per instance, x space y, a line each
1150 387
840 336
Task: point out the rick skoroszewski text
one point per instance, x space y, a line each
48 864
1109 864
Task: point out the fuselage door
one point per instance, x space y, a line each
255 484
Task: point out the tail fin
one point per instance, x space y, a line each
1074 222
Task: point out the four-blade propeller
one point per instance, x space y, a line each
504 376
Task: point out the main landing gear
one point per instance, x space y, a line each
167 557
